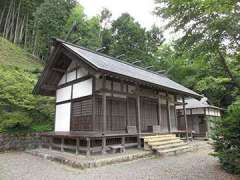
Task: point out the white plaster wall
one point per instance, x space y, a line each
82 89
62 117
81 72
63 94
71 76
63 80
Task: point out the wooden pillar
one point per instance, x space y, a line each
40 142
123 141
159 111
168 112
77 146
88 146
104 107
62 144
50 143
175 112
103 145
94 105
185 117
139 121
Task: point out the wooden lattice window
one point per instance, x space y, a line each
81 119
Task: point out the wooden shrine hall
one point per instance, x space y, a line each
102 101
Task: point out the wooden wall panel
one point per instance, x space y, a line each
116 114
164 121
149 116
132 112
173 119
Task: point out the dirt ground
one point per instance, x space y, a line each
197 165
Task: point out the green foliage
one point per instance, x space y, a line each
226 136
133 41
15 121
50 19
206 55
210 31
87 32
19 109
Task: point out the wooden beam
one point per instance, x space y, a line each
185 117
59 70
48 87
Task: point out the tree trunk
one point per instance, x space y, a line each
6 25
1 17
227 69
16 34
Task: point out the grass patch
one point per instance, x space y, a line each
11 54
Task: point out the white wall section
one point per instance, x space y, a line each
63 94
71 76
81 72
62 117
82 89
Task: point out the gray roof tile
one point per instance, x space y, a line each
114 65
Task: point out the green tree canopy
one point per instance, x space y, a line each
210 29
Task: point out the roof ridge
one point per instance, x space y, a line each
108 56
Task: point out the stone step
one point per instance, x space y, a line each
159 143
174 150
170 146
158 139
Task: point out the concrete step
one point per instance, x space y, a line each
170 146
174 150
158 139
159 143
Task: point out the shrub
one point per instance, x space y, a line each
15 121
226 136
19 109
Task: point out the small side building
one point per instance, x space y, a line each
199 116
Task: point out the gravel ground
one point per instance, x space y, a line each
192 165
